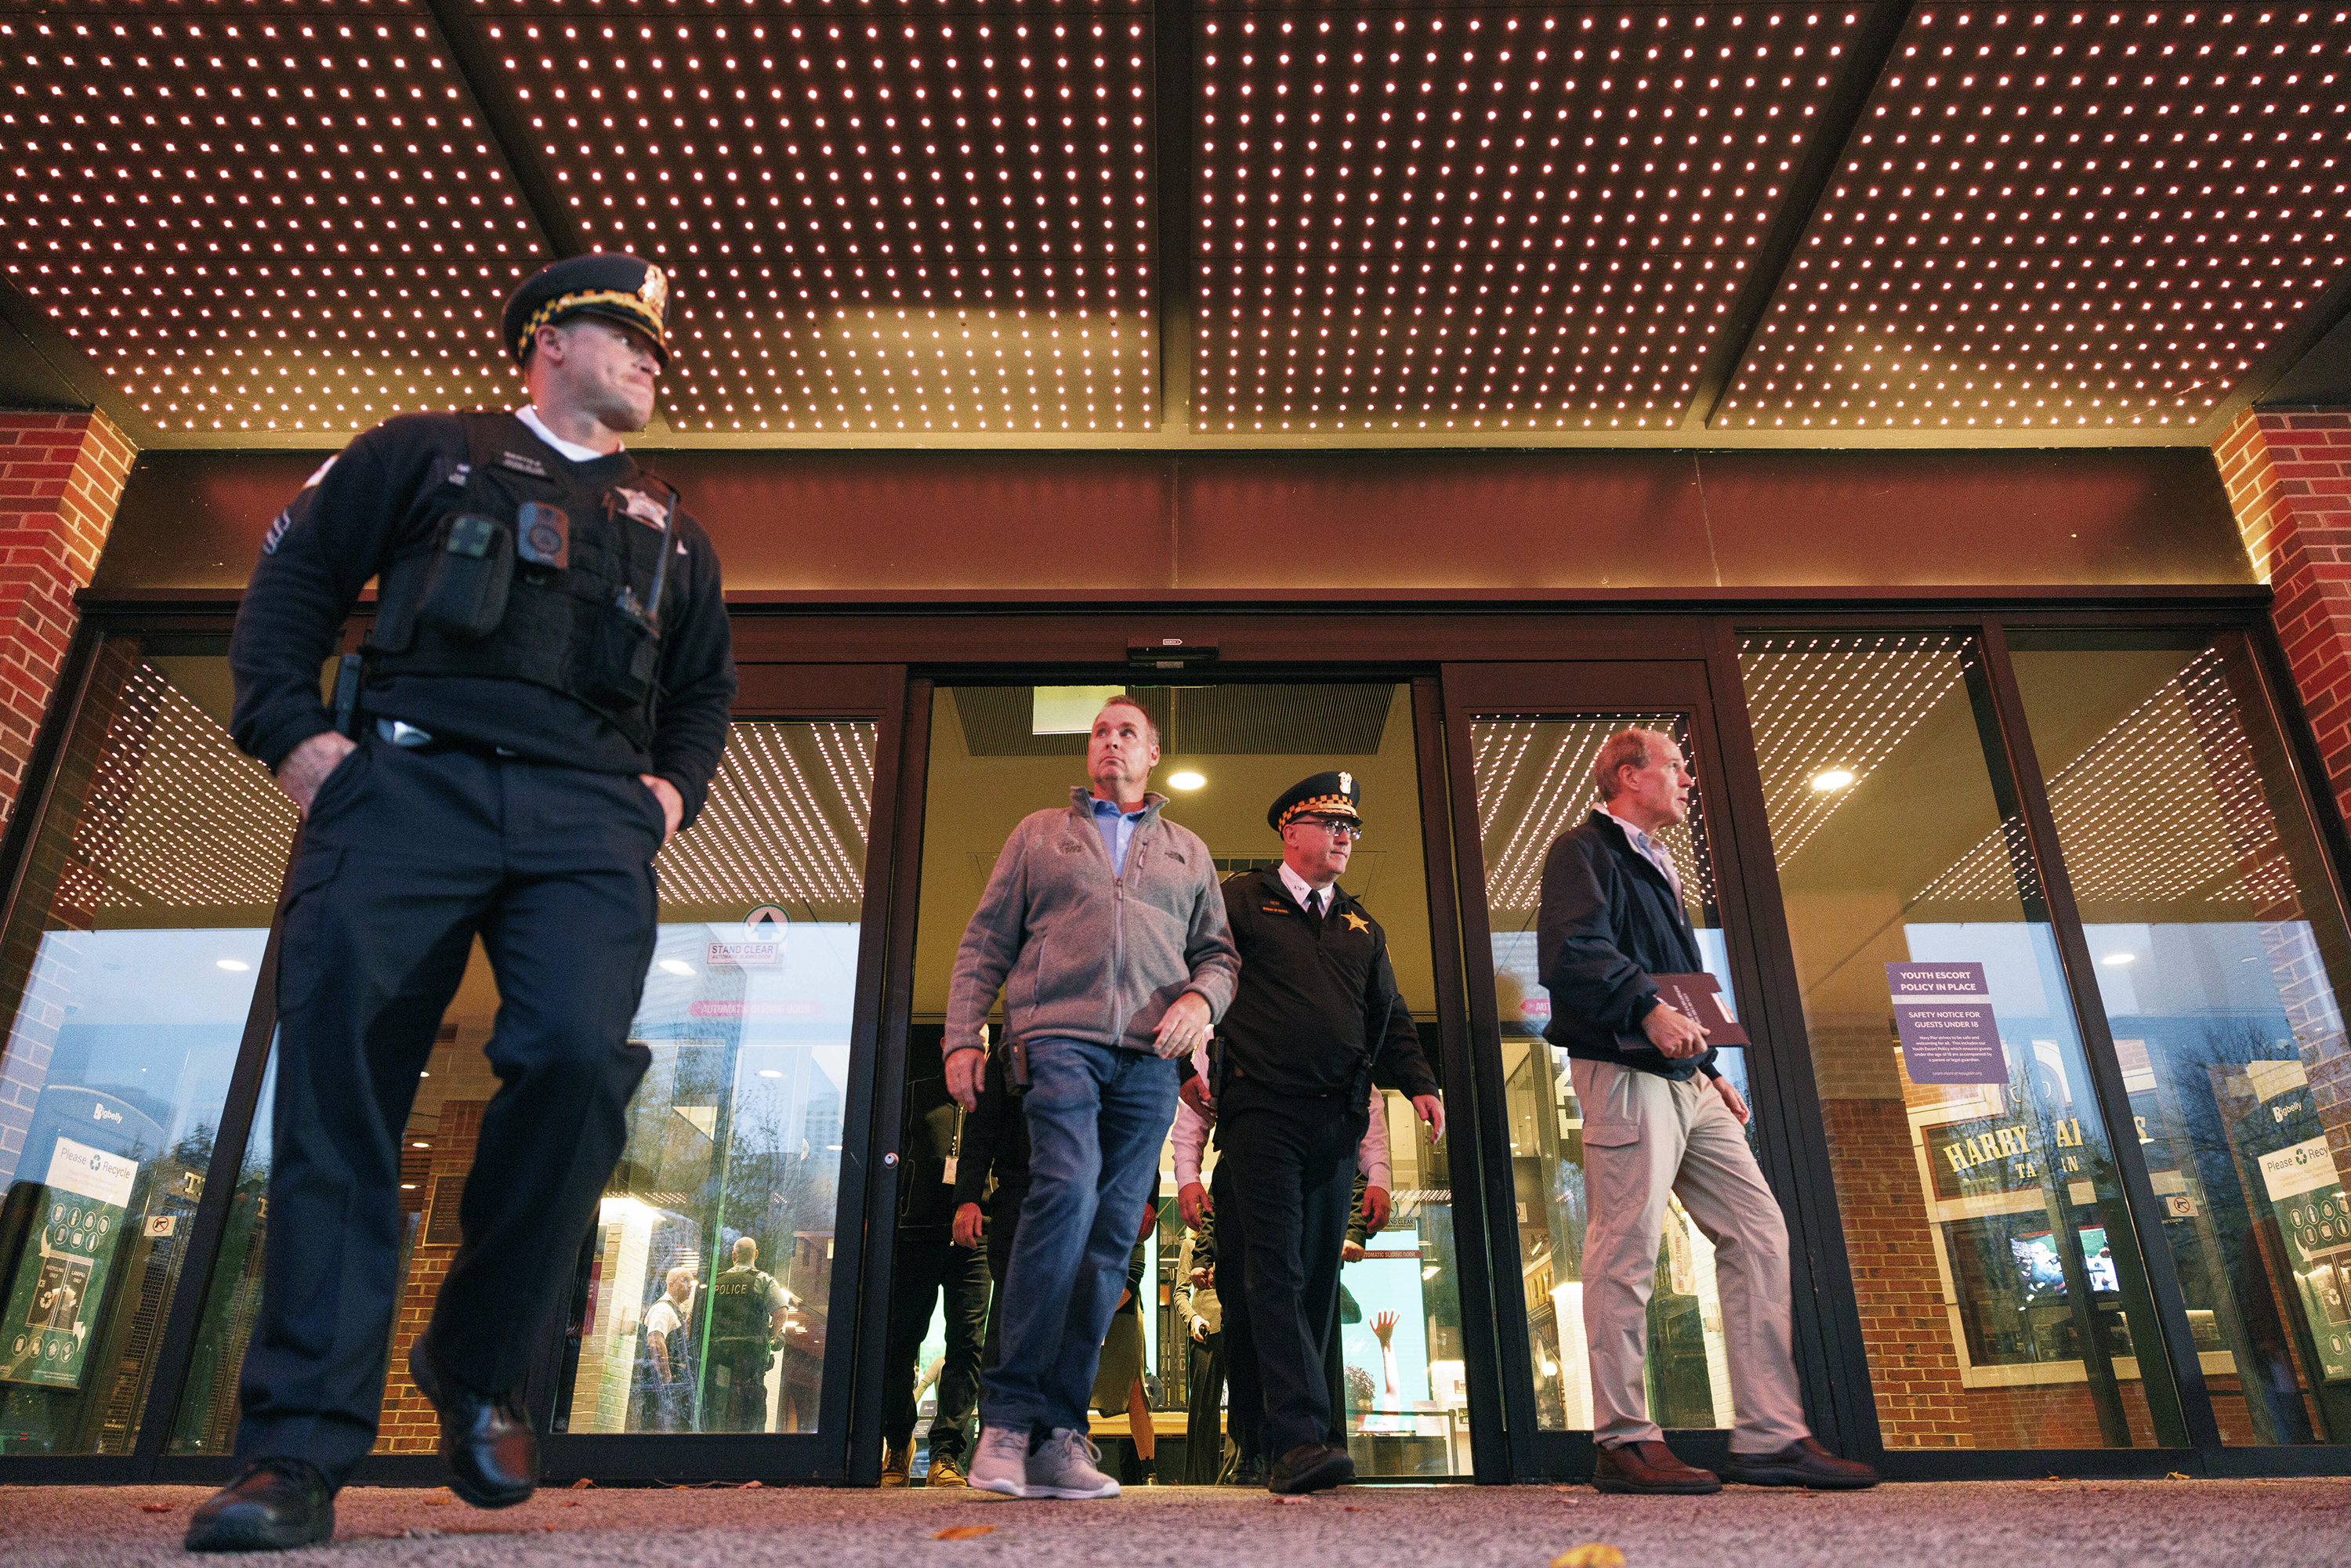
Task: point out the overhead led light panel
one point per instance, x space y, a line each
2066 216
907 218
259 221
1456 219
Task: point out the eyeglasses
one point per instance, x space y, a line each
1334 826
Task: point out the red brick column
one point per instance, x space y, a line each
61 477
2289 479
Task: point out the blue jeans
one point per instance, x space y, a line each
1097 1117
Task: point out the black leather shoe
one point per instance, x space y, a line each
1802 1463
1242 1470
1310 1466
276 1505
488 1445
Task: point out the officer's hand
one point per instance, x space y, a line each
673 804
1431 1111
1200 1331
306 766
966 1226
1182 1027
1732 1098
1351 1252
1675 1034
1376 1208
1194 1093
964 1070
1192 1203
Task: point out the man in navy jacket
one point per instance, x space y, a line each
1660 1118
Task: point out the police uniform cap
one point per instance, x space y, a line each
617 288
1328 794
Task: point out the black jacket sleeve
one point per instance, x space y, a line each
697 676
1399 1063
982 1129
345 526
1575 942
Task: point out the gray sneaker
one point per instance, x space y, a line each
1065 1467
1001 1463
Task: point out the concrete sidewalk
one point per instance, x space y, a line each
1978 1524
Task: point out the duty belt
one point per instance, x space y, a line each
424 743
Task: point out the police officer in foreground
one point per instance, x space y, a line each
542 706
1315 1023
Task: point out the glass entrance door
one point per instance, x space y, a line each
1523 739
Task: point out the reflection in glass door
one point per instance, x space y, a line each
1533 775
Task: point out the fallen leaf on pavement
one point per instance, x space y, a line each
157 1506
2175 1476
582 1484
1591 1554
752 1486
963 1531
1290 1500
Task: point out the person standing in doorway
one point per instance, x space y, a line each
1315 1023
541 704
1659 1117
929 1270
669 1357
749 1311
1103 925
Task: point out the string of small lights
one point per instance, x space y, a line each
784 821
2065 216
177 816
1828 710
1533 775
905 219
1486 219
259 223
2164 807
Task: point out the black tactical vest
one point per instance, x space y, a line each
531 576
742 1304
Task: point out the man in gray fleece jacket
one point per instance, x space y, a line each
1105 929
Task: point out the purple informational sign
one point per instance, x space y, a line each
1943 1012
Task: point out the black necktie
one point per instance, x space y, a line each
1314 905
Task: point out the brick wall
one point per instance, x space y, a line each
2289 480
409 1425
61 477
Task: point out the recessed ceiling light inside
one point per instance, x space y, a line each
234 966
1831 778
675 966
771 1073
2119 958
419 1145
1187 780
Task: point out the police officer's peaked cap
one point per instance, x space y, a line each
1330 794
602 283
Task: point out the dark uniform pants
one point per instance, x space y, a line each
1284 1181
925 1268
405 859
1204 1439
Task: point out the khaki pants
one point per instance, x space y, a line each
1645 1136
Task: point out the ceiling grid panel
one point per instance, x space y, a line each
1508 219
253 218
902 217
2068 217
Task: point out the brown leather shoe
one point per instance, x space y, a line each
1802 1463
1649 1468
